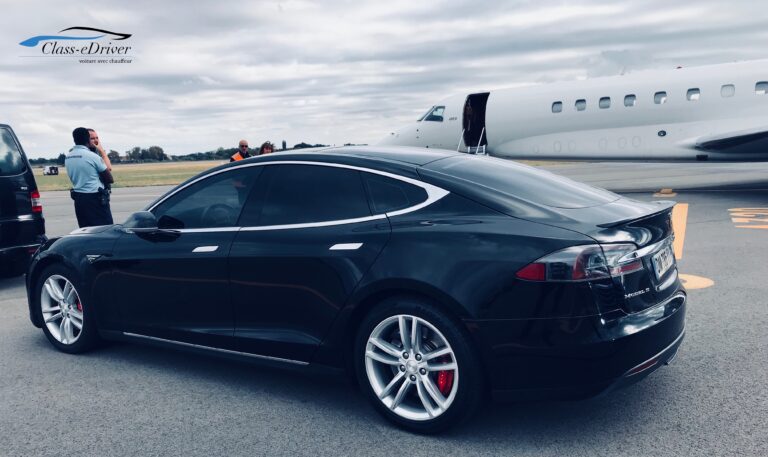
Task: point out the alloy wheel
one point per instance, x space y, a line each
411 367
62 309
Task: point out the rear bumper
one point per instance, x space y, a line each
579 357
16 258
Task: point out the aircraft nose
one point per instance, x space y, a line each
391 139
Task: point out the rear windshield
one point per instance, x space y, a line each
521 181
11 162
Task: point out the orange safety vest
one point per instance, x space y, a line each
235 157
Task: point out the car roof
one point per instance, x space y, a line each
393 154
409 155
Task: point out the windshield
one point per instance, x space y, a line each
429 111
521 181
11 162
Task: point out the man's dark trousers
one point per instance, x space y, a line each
90 211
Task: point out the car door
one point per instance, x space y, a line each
173 283
307 238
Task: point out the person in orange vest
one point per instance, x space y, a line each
242 152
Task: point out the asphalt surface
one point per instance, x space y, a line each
129 399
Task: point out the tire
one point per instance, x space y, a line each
61 304
412 392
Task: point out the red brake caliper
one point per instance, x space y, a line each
79 306
445 378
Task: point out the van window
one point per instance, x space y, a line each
761 87
660 98
629 100
11 162
605 102
557 107
728 90
693 94
581 104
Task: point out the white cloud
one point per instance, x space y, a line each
207 73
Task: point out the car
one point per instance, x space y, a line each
22 226
50 170
432 277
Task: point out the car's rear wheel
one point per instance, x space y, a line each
67 319
417 367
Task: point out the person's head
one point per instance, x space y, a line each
266 148
242 146
93 137
81 136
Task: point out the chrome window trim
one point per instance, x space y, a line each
313 224
434 194
209 348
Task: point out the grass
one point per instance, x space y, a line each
133 175
157 174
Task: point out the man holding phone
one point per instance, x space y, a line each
89 172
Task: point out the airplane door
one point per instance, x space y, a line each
473 122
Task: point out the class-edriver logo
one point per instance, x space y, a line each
100 44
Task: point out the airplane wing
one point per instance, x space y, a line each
722 142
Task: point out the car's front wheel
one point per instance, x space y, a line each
67 319
417 367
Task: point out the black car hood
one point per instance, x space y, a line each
91 230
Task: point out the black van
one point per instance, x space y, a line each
22 227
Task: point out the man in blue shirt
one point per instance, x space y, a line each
87 170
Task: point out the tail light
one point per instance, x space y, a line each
583 263
34 197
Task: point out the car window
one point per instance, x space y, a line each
302 194
11 162
389 194
213 202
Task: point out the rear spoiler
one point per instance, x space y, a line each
663 205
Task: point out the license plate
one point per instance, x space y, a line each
663 261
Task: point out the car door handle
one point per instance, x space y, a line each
205 249
345 247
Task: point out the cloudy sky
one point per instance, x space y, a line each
206 73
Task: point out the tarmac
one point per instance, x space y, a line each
712 400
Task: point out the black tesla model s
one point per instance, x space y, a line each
434 277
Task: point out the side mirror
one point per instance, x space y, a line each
141 221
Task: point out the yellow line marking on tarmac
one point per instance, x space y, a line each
696 282
746 220
665 193
679 221
753 226
749 216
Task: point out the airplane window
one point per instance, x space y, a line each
429 111
557 107
629 100
436 115
728 90
660 98
761 88
693 94
581 104
605 102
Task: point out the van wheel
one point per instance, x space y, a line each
417 366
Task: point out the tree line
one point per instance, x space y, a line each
157 154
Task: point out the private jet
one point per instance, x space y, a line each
713 112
